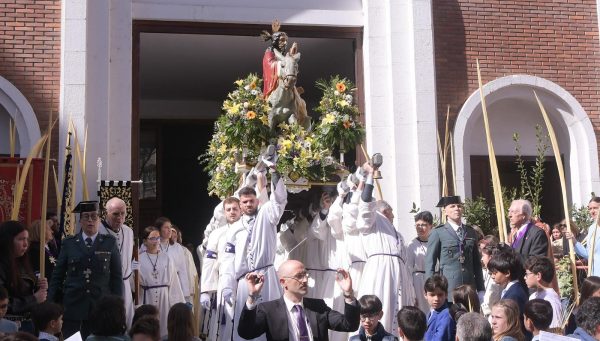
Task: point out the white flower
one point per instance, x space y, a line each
247 87
328 161
254 92
337 93
348 99
246 105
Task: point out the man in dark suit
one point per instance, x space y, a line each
88 267
528 239
454 248
294 317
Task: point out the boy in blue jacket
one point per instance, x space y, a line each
440 326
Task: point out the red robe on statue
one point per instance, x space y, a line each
269 73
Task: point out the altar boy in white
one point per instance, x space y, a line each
114 225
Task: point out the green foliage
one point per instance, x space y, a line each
477 212
338 125
582 218
414 210
564 277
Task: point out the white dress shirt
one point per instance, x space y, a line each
292 323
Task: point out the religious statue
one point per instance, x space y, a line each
280 72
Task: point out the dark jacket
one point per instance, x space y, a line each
533 243
34 258
20 301
271 318
380 335
82 275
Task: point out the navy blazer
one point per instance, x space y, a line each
517 293
271 318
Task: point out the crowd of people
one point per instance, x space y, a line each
329 268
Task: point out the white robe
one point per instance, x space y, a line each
386 273
253 239
209 282
180 260
416 262
163 297
125 244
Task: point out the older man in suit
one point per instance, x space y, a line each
88 267
528 239
453 248
294 317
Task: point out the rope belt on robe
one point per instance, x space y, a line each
126 278
148 287
387 254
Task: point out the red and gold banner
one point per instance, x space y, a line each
31 205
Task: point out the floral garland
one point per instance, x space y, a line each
564 277
339 125
302 155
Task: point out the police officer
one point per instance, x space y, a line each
88 267
454 248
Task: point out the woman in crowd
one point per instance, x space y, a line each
158 277
34 247
16 276
557 241
464 300
180 324
109 323
145 329
505 322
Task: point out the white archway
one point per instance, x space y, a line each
573 127
22 114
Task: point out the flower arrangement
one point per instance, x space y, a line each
339 125
245 121
302 155
564 277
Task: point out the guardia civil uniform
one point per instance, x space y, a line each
85 271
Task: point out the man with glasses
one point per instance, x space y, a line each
528 239
294 317
88 267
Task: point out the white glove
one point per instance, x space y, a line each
342 188
205 300
135 265
228 296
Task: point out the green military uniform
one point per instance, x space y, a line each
459 260
82 275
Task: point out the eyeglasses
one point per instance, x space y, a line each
89 216
421 225
153 238
299 277
370 317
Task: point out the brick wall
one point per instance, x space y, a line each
557 40
30 58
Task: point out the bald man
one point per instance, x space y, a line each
294 317
114 225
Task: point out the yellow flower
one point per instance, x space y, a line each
329 119
253 85
264 119
342 103
222 149
287 144
235 109
239 82
250 115
341 87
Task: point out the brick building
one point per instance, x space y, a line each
148 77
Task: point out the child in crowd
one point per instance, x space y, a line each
464 300
505 321
492 289
6 326
371 311
145 310
412 324
538 316
145 328
48 320
539 272
440 326
506 269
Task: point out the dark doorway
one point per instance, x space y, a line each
481 182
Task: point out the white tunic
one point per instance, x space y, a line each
162 291
417 250
179 258
386 273
253 240
125 244
492 293
353 239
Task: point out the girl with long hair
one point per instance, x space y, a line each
506 324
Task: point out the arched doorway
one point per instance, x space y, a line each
512 108
13 105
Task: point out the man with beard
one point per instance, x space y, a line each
114 225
